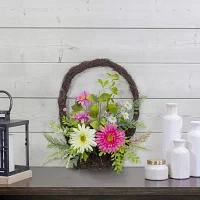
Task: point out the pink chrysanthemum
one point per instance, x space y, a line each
82 98
81 116
110 139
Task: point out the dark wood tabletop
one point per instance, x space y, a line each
61 183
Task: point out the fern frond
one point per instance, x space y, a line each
133 156
54 156
55 142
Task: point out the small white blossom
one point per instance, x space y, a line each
112 119
127 105
125 115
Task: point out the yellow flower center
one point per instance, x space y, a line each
127 105
112 118
83 138
110 138
125 114
82 98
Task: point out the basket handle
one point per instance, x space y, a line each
88 65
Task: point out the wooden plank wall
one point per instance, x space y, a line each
157 41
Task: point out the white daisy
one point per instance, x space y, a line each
112 119
83 138
125 115
127 105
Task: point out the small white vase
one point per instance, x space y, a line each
171 130
193 144
179 161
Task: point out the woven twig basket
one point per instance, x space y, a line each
94 161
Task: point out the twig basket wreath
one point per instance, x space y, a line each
98 133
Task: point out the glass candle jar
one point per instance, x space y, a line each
156 170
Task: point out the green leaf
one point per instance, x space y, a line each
112 108
113 84
105 83
92 98
95 125
104 121
101 153
104 97
85 156
112 100
115 76
115 90
100 81
94 111
77 107
110 75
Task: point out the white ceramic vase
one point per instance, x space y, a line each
193 144
179 161
171 130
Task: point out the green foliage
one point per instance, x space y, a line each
105 83
73 161
133 157
95 125
92 98
100 81
129 124
104 97
58 129
103 122
70 122
137 103
113 84
55 156
84 156
115 90
77 107
115 76
112 108
110 75
55 143
118 158
94 111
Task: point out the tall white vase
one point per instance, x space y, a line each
179 161
193 144
11 153
171 130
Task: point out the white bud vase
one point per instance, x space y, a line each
180 161
193 144
171 130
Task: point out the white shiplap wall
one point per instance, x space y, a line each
157 41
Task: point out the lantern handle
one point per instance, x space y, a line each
10 97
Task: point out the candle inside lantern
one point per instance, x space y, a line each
11 153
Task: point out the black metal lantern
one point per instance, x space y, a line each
5 125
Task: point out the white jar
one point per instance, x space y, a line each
193 144
156 170
179 163
171 129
